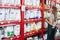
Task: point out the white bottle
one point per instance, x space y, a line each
16 30
39 14
17 14
28 2
25 28
37 3
12 14
31 13
11 2
17 2
27 14
2 14
7 14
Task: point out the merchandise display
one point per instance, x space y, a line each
9 14
32 26
32 3
9 31
38 37
25 19
29 13
10 2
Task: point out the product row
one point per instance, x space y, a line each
8 31
37 37
29 14
32 3
14 2
32 26
9 14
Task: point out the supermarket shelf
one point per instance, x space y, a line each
58 2
9 6
6 23
32 8
29 34
32 20
11 38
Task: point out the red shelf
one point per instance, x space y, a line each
32 8
5 23
9 6
32 20
32 33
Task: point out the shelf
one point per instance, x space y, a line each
33 7
58 2
6 23
32 20
29 34
9 6
14 38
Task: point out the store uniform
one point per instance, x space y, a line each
51 29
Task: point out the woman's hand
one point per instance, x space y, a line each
46 20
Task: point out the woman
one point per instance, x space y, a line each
52 23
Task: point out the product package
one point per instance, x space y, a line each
12 14
8 31
16 30
17 14
7 14
2 14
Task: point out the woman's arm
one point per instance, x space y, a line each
49 21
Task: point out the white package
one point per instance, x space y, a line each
8 29
35 14
39 14
28 2
36 38
28 27
30 38
17 2
38 25
7 14
11 2
2 14
5 1
16 30
27 14
12 14
31 13
34 2
37 3
17 14
25 28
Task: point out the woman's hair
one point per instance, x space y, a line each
54 11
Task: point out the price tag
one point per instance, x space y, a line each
23 8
